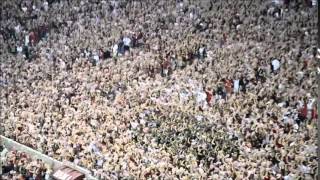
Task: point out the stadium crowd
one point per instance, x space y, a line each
19 166
168 89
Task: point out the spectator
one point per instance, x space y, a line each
155 110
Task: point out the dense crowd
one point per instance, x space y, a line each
165 88
19 166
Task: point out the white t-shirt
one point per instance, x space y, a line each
17 28
126 41
201 50
115 49
87 54
46 5
24 9
26 41
96 57
310 104
276 1
236 85
304 169
275 64
201 96
19 49
192 16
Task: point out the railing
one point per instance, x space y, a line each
55 164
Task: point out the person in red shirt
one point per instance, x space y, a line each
228 86
314 113
209 97
32 38
303 112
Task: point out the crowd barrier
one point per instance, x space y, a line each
55 164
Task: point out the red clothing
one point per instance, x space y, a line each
266 178
314 113
209 97
304 111
166 64
228 85
32 37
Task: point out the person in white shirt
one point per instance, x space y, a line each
115 50
236 85
17 29
314 2
19 49
26 40
45 5
127 43
275 65
202 52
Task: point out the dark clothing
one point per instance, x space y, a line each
126 48
26 52
106 54
243 85
7 169
121 47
